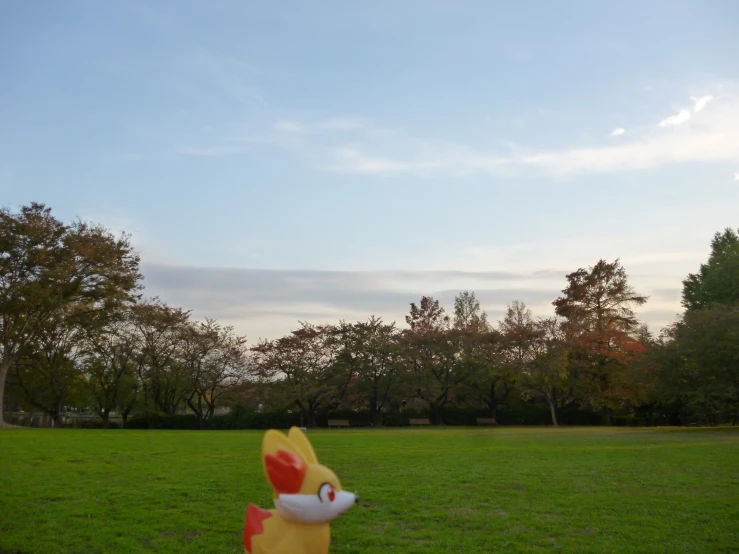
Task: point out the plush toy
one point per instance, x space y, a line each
307 497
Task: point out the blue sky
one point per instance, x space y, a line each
326 160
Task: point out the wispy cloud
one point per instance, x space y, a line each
701 102
210 151
290 127
356 145
231 76
736 176
324 126
345 123
353 160
677 119
711 136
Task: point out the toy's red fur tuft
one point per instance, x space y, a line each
253 525
286 471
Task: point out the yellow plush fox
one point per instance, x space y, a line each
307 496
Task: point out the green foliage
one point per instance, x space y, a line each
74 332
700 360
717 281
56 274
421 491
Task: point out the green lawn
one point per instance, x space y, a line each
422 490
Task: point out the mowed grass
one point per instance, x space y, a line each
421 490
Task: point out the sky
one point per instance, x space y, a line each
290 161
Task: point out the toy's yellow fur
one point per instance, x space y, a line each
278 531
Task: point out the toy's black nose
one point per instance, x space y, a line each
356 499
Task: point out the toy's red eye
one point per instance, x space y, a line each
327 493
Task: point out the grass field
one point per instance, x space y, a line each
428 490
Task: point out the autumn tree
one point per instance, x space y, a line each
372 353
598 305
427 316
162 373
545 375
302 367
47 268
111 351
216 359
48 372
434 372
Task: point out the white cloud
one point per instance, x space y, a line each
618 131
736 176
701 102
682 117
351 160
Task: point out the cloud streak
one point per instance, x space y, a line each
269 303
701 102
355 145
711 136
678 119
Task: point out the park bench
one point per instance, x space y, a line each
338 423
486 421
419 422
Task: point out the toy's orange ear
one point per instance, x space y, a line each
301 442
283 463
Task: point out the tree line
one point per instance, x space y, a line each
77 332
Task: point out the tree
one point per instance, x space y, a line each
216 358
162 373
598 306
467 313
303 367
705 356
46 267
503 354
483 354
717 281
111 352
432 353
428 316
373 354
48 372
519 331
545 376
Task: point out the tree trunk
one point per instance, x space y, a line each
105 415
436 415
493 405
554 414
374 411
4 366
606 416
